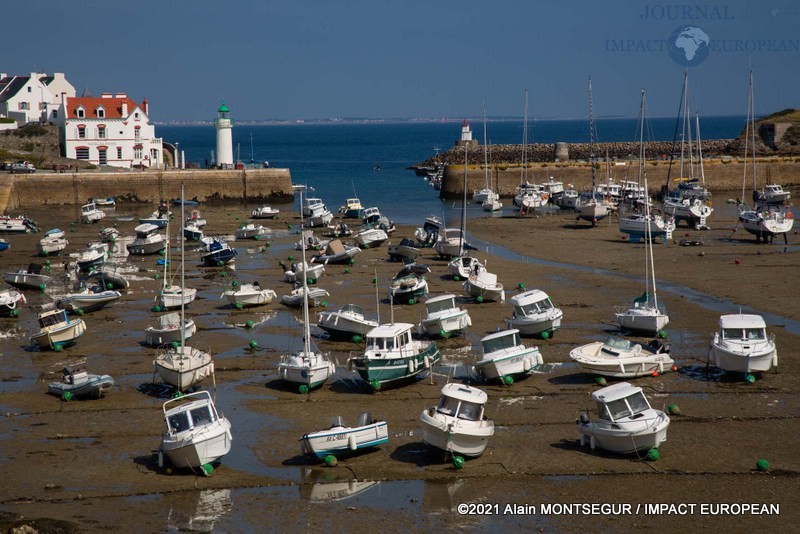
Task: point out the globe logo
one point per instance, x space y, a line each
688 46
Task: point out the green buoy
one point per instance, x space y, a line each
653 455
458 462
762 465
303 389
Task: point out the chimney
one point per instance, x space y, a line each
146 105
121 95
106 95
64 98
3 75
124 109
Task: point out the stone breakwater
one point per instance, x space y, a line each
18 192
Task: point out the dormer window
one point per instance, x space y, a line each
101 113
80 112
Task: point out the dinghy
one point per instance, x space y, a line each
339 439
76 381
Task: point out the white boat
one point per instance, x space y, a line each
196 218
109 234
430 231
775 194
93 258
504 355
451 243
568 200
168 330
78 383
196 435
742 345
17 225
30 278
315 213
407 287
298 270
307 368
626 423
391 356
620 358
373 217
264 212
90 299
192 232
251 231
369 237
345 323
107 202
109 278
484 286
405 250
492 205
534 314
694 211
49 245
594 207
443 318
317 485
340 439
337 252
11 300
310 241
463 266
481 196
654 224
249 295
487 195
171 295
147 241
295 299
458 425
90 213
160 217
57 330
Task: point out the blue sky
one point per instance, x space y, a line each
406 58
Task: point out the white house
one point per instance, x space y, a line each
109 130
33 98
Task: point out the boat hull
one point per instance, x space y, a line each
754 359
538 324
467 438
60 336
163 336
142 248
206 447
602 435
339 441
388 371
312 374
511 364
87 302
93 387
641 321
644 363
448 325
341 326
27 280
184 367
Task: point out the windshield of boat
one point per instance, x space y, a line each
440 305
500 343
617 343
448 406
202 415
755 333
534 307
178 422
469 411
626 407
53 319
744 334
387 343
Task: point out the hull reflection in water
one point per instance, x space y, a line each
319 485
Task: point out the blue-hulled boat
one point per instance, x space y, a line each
219 253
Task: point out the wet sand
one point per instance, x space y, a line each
92 463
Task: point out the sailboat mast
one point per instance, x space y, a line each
591 137
747 135
306 327
183 275
463 209
650 275
485 151
524 175
752 113
699 148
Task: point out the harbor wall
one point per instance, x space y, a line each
208 186
720 175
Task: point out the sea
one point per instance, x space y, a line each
340 160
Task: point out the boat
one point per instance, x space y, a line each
372 216
192 232
451 243
30 278
443 318
625 424
484 286
336 252
346 322
310 241
316 295
160 217
90 213
775 194
109 234
529 196
172 295
50 245
307 368
764 221
311 272
428 234
94 257
249 295
168 330
463 266
4 244
340 229
369 237
407 287
78 383
11 300
458 424
147 241
264 212
391 356
534 314
107 202
504 356
183 202
339 439
87 300
405 249
197 435
182 366
17 225
57 330
219 253
487 195
251 231
351 209
742 345
620 358
594 207
196 218
316 213
109 278
568 200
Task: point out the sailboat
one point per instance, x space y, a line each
181 366
591 208
528 196
492 202
763 221
487 194
462 264
645 315
172 295
307 368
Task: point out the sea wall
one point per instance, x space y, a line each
207 186
720 175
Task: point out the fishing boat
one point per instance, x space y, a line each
87 300
504 356
392 356
340 439
463 266
249 295
534 314
168 330
17 225
336 252
30 278
626 423
192 232
160 217
307 368
196 218
443 318
94 257
264 212
316 213
373 217
742 345
219 253
369 237
58 330
52 245
316 295
346 322
107 202
147 241
197 435
458 424
90 213
407 287
568 200
775 194
484 286
11 300
593 207
620 358
251 231
403 250
77 382
351 209
298 270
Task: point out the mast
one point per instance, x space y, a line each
183 275
699 148
485 151
649 270
306 327
463 208
752 113
591 136
747 136
675 135
524 175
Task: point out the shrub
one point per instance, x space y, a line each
28 147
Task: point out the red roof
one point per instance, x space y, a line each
112 107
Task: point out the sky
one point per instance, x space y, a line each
318 59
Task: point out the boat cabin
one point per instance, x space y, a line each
394 337
620 401
501 341
353 309
73 375
52 318
531 302
191 415
615 346
462 402
144 230
89 208
743 328
440 304
352 204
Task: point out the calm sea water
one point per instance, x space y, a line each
338 160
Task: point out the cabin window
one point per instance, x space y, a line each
618 409
448 406
603 411
179 422
731 333
638 403
469 411
755 333
499 343
202 416
442 305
